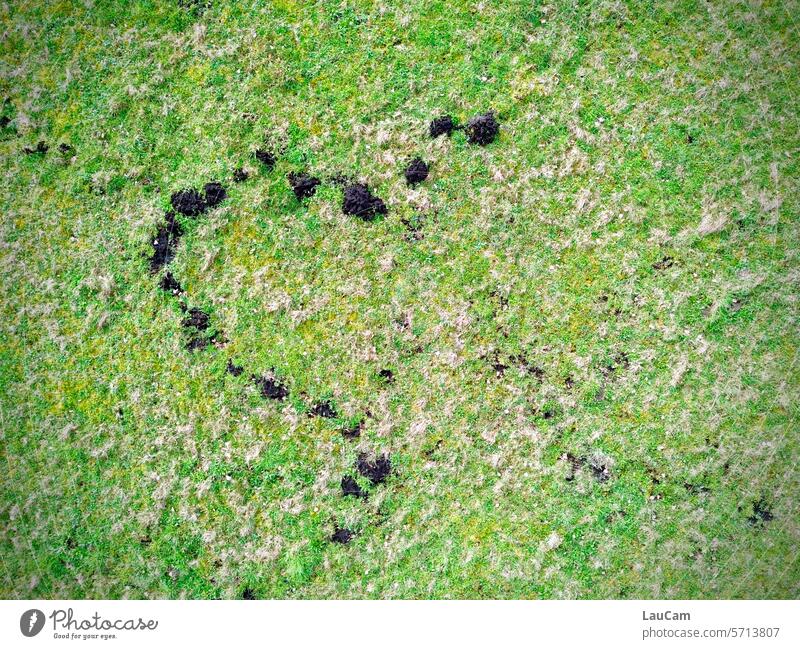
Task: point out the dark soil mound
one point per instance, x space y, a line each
170 284
350 487
353 432
416 172
323 409
265 158
303 185
375 470
271 388
198 342
40 147
248 593
240 175
761 513
65 148
342 535
234 370
197 319
165 243
482 129
215 193
387 375
360 202
441 126
188 202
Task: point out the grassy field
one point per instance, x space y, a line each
590 325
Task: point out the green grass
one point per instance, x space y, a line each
136 468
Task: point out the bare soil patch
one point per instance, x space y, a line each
375 469
482 129
443 125
416 172
303 185
359 201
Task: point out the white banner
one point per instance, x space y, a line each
384 625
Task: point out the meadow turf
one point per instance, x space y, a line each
590 325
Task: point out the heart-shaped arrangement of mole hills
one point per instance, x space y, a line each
357 200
